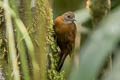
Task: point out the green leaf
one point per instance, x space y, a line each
97 48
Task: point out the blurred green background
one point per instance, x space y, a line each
61 6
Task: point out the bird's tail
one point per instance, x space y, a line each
61 61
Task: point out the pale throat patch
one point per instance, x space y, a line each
67 22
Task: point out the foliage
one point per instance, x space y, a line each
28 48
96 49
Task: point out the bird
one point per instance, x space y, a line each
65 31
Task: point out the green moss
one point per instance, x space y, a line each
2 18
53 55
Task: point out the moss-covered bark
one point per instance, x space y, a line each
42 21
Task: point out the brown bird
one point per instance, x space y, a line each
65 30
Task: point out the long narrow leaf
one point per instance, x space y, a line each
11 44
114 74
21 47
97 48
26 37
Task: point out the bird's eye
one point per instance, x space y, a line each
68 16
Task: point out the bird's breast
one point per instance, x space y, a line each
64 28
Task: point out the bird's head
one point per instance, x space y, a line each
68 17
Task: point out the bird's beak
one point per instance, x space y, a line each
74 19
